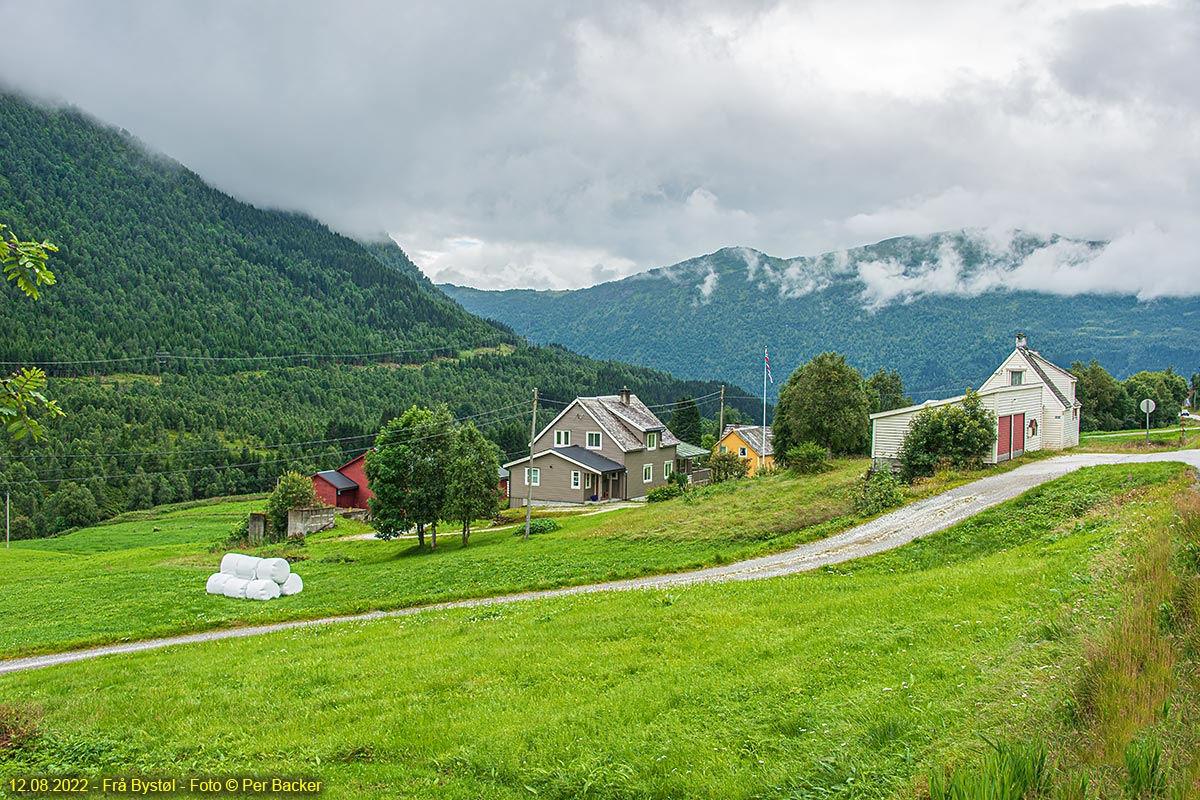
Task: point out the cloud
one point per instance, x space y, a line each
579 142
1146 262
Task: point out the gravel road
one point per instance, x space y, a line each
883 533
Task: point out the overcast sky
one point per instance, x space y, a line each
556 145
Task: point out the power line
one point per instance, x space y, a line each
283 357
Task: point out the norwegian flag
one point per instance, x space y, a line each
767 364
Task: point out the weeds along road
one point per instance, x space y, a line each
883 533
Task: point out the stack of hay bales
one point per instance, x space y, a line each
253 578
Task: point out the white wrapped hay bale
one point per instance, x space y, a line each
240 565
216 583
262 590
273 569
235 587
293 585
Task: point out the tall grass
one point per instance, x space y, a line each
1011 771
1130 668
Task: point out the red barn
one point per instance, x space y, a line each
344 487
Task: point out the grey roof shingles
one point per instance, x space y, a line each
626 423
752 436
1032 357
588 458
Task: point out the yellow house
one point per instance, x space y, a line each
748 442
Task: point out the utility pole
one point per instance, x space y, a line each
529 469
721 423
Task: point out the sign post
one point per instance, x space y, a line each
1148 406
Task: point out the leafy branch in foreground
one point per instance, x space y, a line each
25 263
21 392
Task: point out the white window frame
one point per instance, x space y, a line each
574 479
1016 377
647 473
587 481
668 468
741 452
599 440
562 438
652 440
537 476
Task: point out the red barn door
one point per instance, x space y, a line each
1018 435
1004 439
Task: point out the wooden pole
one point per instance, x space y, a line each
529 469
721 422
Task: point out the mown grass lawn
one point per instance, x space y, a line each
851 681
145 577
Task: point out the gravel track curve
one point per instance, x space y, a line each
889 531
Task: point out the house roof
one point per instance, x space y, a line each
685 450
502 473
1039 364
581 457
623 423
752 436
935 403
337 480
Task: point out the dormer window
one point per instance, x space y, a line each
1016 378
562 438
651 440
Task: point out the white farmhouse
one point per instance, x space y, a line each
1033 400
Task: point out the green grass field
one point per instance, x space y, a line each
853 681
145 577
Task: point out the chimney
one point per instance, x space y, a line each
1020 340
625 395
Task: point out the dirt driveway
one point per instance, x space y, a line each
883 533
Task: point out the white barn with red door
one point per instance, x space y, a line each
1033 400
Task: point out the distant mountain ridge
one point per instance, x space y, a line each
939 308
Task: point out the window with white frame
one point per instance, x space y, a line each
562 438
668 468
535 479
647 473
651 440
1016 378
574 479
593 440
742 452
587 481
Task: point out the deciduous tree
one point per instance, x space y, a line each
471 478
293 491
825 401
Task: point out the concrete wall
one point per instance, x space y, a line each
302 521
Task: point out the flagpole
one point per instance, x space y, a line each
762 454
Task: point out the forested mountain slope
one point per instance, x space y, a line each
173 332
929 306
151 258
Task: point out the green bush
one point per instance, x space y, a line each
959 434
239 531
662 493
807 458
879 491
293 491
727 466
543 525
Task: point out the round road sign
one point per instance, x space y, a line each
1147 406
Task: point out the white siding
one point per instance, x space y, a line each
1000 378
887 433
